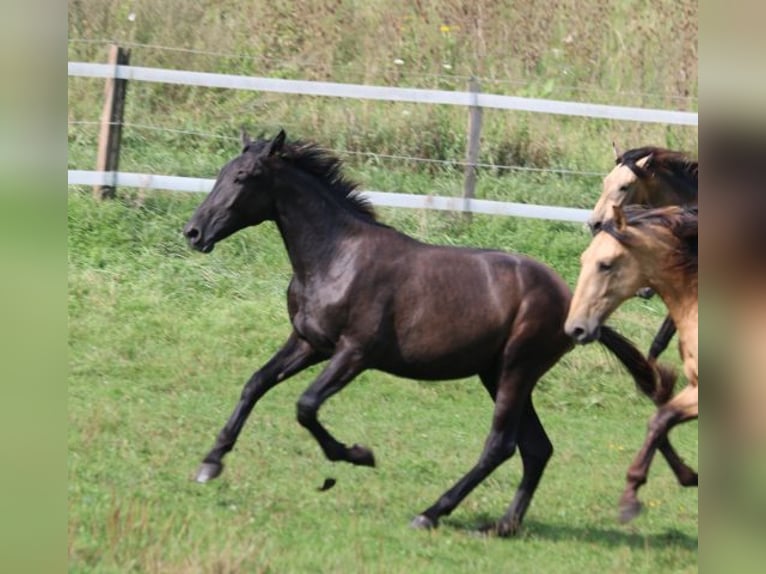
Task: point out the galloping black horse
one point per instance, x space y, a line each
365 296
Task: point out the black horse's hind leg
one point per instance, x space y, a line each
536 450
662 339
511 395
294 356
341 370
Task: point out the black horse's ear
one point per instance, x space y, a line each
244 138
277 143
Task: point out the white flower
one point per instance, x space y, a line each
132 16
399 62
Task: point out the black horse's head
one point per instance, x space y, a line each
239 198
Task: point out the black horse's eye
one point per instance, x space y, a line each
241 176
604 266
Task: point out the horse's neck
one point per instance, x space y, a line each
670 194
312 225
682 302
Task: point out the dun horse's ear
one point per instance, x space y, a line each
277 143
646 162
619 218
617 152
244 138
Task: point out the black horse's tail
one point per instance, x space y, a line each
654 380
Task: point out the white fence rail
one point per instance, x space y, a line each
472 99
311 88
380 198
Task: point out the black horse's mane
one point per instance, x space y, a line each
328 168
675 167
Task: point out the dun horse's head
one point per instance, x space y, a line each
628 183
239 197
610 273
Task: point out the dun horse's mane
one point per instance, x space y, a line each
681 223
675 167
328 168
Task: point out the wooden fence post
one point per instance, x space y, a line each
472 148
108 157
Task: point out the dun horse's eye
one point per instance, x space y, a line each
604 266
624 188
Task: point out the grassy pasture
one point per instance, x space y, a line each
162 339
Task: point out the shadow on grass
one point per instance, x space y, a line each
480 525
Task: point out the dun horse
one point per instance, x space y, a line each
658 248
651 177
365 296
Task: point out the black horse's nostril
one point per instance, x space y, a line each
191 233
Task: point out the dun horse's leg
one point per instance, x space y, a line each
341 370
294 356
685 475
662 339
683 407
536 450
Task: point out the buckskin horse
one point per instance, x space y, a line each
649 176
658 248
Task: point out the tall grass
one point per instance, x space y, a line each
628 52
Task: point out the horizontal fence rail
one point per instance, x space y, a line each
358 91
475 100
379 198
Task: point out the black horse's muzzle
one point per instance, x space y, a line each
197 239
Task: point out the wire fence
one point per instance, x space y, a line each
156 90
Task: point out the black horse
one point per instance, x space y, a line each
365 296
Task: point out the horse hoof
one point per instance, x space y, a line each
422 522
629 510
507 529
208 471
361 456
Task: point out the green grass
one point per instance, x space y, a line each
162 339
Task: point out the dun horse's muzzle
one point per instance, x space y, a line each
581 333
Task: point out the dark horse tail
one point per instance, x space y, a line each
654 380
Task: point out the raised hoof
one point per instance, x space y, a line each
208 471
422 522
361 456
629 510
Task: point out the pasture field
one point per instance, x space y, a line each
162 340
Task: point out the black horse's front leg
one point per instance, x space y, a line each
341 370
296 355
